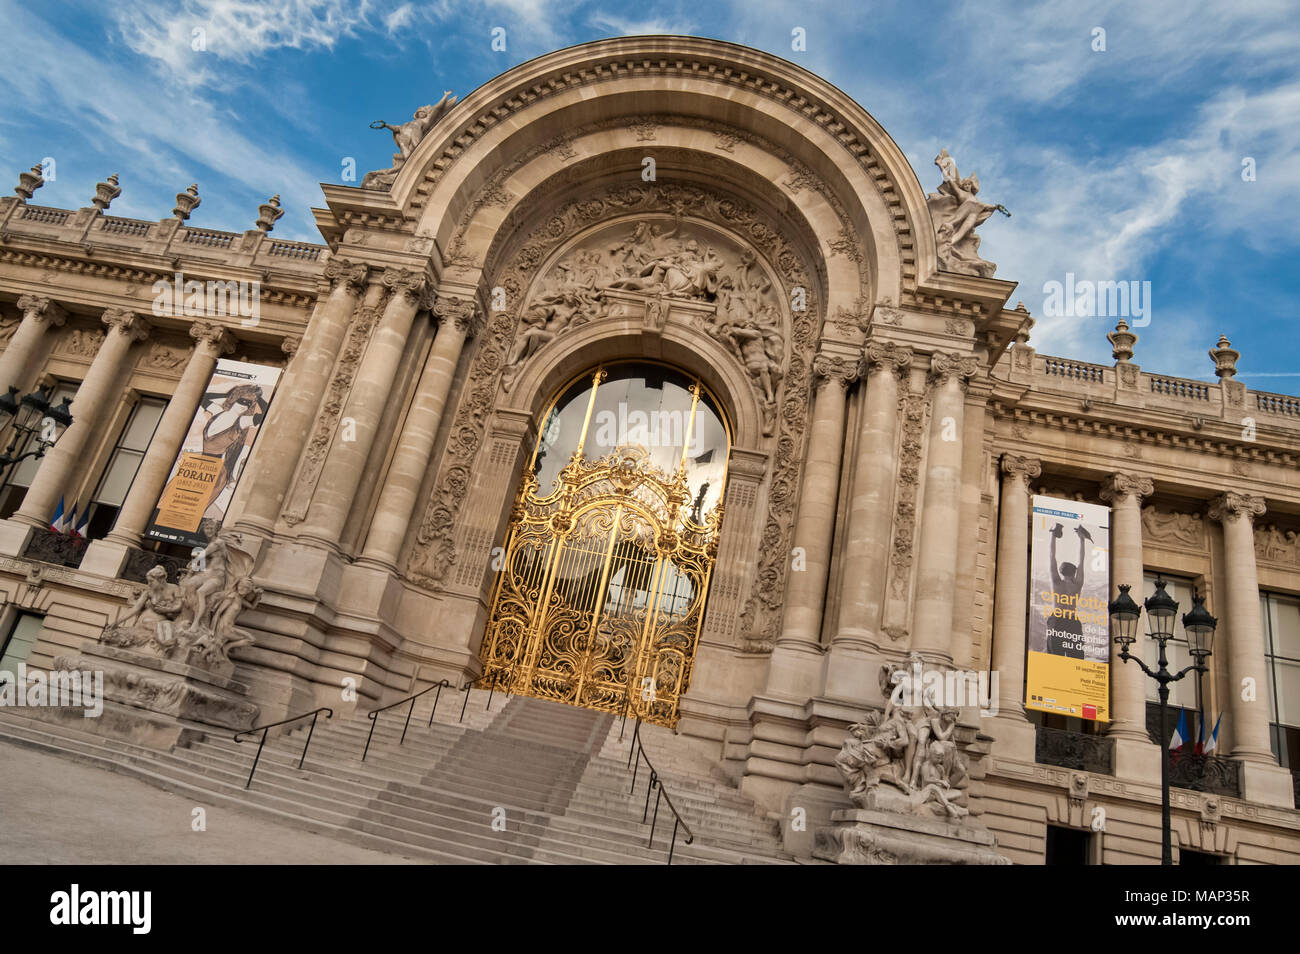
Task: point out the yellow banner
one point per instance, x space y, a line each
189 491
1071 687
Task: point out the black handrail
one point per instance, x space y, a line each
393 705
492 688
637 752
271 725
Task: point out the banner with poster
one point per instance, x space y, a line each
206 472
1067 668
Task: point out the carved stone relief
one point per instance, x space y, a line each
1173 529
1277 546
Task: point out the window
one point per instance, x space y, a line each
1185 694
19 641
1188 857
1068 846
122 465
1281 618
20 478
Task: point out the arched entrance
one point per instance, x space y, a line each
602 586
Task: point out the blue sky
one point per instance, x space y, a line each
1124 164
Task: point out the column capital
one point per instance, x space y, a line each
946 366
460 312
885 356
1116 486
1229 506
289 345
405 281
212 335
1026 468
345 272
42 310
829 368
131 324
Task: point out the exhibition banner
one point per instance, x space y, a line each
1067 669
206 472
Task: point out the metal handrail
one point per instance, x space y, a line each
492 688
393 705
271 725
637 752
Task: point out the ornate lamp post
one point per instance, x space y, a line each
1199 626
28 415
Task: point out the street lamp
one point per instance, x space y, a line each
1199 626
28 415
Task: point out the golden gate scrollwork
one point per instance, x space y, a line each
601 590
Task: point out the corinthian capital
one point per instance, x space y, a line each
41 310
885 356
1026 468
343 271
213 336
945 367
460 312
834 368
1230 506
405 282
126 322
1118 486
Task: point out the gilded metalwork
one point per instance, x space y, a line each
602 589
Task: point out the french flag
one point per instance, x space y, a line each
1180 732
1214 736
58 522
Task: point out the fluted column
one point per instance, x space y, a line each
293 411
415 448
1245 648
1011 589
18 362
853 653
211 341
332 499
1128 700
936 573
97 398
795 666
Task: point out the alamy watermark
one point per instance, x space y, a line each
917 686
191 298
62 688
1083 298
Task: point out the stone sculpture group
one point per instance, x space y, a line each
193 621
906 759
956 213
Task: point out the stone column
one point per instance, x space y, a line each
284 434
414 451
1128 700
936 572
18 362
851 665
794 670
1245 643
211 341
1011 589
332 500
96 399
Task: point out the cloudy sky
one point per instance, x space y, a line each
1117 164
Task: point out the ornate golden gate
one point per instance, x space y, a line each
601 590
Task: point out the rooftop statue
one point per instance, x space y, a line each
957 213
406 137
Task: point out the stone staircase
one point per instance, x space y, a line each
523 781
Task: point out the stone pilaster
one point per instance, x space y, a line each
936 573
27 348
1245 642
414 451
211 341
340 477
794 670
1124 493
851 665
284 434
97 398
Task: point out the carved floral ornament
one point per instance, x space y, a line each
667 246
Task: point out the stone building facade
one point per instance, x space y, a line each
703 207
